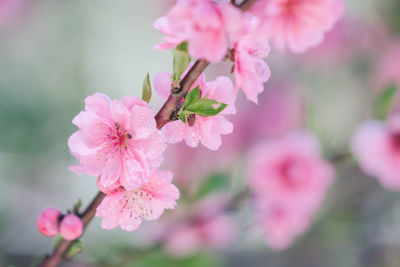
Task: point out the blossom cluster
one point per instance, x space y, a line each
217 30
51 222
118 140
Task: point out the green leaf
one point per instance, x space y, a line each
216 182
192 97
146 91
205 107
182 117
182 47
75 248
385 101
181 61
77 206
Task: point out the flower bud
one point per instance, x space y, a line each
47 222
71 227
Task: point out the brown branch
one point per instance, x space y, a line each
162 118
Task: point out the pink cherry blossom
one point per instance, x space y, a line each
71 227
209 27
117 141
126 208
207 130
296 24
285 172
250 70
376 145
47 222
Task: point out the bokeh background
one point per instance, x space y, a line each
54 53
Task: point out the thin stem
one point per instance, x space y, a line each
162 118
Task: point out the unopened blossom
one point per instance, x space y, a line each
296 24
284 172
251 71
376 146
209 27
207 130
47 222
71 227
127 208
117 141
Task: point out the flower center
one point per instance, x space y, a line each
395 141
137 203
290 173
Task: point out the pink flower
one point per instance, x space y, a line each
376 146
285 172
206 226
207 130
126 208
215 233
47 222
282 223
117 140
209 27
71 227
296 24
251 71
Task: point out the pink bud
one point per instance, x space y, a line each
47 222
71 227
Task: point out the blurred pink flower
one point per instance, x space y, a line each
376 145
215 233
207 227
9 10
126 208
296 24
71 227
284 172
207 130
281 109
47 222
209 27
250 70
282 223
117 140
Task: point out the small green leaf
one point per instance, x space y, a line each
205 107
384 102
77 206
216 182
182 47
192 97
182 117
146 91
75 248
181 61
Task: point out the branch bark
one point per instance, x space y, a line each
162 118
